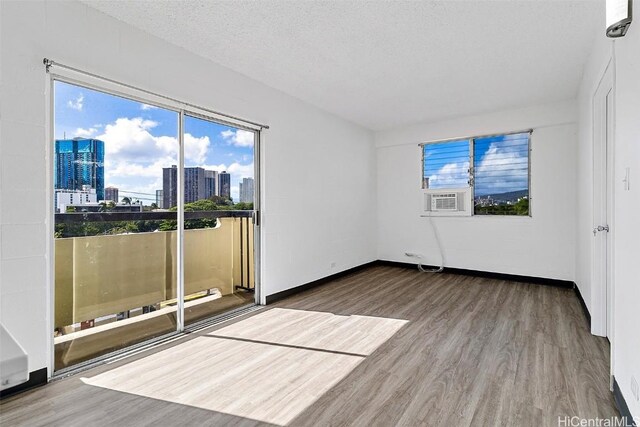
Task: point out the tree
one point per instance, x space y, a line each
107 206
221 201
126 200
190 224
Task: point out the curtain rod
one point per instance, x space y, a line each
48 63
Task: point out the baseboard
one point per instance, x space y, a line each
488 274
503 276
36 379
583 304
270 299
621 404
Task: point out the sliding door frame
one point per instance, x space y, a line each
93 82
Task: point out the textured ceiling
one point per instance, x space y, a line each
384 64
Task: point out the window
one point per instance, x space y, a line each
446 165
494 168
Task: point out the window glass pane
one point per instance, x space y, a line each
115 248
501 175
446 165
218 244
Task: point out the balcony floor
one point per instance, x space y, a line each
384 346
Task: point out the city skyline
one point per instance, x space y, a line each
79 166
140 140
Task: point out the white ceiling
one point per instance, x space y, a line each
384 64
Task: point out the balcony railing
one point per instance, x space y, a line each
103 275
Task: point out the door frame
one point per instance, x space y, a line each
603 116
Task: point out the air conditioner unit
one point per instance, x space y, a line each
454 202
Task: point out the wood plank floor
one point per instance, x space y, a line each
382 347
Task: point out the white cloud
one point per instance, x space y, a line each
134 158
77 103
130 139
195 149
146 107
85 133
237 170
450 175
238 137
241 171
502 168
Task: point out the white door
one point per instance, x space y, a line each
603 204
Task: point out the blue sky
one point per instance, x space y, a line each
501 164
140 140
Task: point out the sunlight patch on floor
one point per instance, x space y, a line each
269 367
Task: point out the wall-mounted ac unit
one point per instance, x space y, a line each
453 202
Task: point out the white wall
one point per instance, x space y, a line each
540 246
318 185
626 227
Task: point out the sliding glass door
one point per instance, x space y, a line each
153 213
218 209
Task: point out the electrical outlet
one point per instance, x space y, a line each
634 389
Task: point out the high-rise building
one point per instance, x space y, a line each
246 190
170 187
79 162
224 184
199 184
194 184
111 193
159 199
210 183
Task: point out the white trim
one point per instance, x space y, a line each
612 287
49 224
261 297
180 226
598 306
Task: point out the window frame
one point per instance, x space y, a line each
471 182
